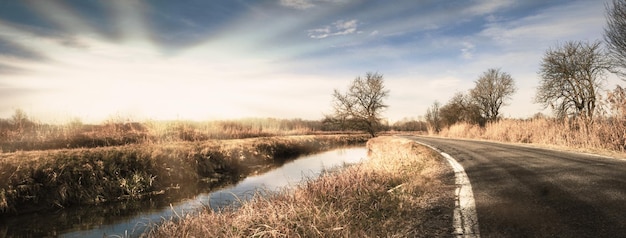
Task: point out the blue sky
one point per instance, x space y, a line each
220 59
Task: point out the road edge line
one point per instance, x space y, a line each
465 219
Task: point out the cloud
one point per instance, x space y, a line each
8 69
584 19
482 7
467 52
306 4
297 4
337 28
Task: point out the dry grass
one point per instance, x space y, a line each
603 134
35 180
403 190
30 135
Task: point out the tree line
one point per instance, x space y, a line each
571 77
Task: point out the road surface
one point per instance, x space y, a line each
529 192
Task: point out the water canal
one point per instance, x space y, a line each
130 219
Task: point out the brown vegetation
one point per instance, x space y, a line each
409 125
604 134
607 130
404 189
21 133
34 180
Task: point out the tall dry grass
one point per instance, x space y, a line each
607 130
36 180
603 133
403 190
26 134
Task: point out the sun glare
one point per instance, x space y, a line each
95 77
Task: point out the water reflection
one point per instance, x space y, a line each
131 218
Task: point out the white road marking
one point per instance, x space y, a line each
465 220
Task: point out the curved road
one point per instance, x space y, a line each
529 192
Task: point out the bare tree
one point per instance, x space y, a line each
410 125
361 106
452 112
615 35
617 102
492 89
20 120
460 108
571 75
433 117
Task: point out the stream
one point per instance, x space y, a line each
132 218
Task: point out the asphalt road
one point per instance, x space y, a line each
529 192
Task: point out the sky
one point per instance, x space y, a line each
227 59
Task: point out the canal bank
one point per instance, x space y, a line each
51 180
402 190
133 218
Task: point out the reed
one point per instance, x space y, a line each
607 134
404 189
37 180
26 134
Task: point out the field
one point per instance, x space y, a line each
20 133
404 189
45 167
602 136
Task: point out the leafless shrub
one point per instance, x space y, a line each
433 118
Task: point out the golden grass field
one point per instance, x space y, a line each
21 133
607 135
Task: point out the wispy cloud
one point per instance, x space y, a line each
7 69
306 4
297 4
583 19
340 27
467 52
481 7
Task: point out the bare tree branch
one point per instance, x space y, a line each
361 106
433 117
492 90
615 36
571 75
461 108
